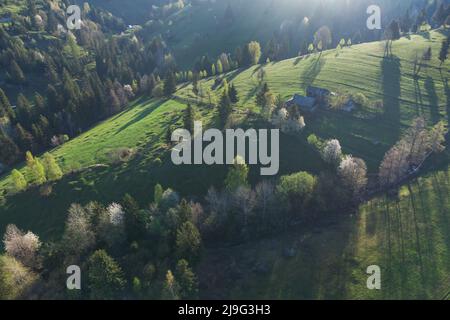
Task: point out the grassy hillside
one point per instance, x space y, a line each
142 129
407 236
362 68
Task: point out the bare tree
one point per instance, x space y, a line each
332 151
244 201
411 151
437 137
392 33
78 234
265 201
394 165
353 173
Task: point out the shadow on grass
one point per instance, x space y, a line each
447 94
418 97
319 268
390 72
312 71
144 113
433 100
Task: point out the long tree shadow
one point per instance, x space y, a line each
447 94
144 113
391 76
311 72
418 97
417 234
433 99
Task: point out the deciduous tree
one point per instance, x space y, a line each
188 242
51 167
353 173
237 175
22 246
254 52
19 181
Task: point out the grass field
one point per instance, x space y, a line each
142 128
364 69
407 236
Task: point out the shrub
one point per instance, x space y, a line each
360 99
15 278
158 90
296 189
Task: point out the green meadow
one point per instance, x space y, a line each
362 68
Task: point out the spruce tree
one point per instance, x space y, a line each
24 139
225 108
187 280
170 85
5 106
233 94
9 150
16 74
189 118
261 97
24 110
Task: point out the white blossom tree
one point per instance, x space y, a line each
22 246
112 231
332 151
116 214
78 234
353 172
279 117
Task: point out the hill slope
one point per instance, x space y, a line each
406 236
362 68
142 128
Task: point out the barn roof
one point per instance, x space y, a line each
312 91
303 102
